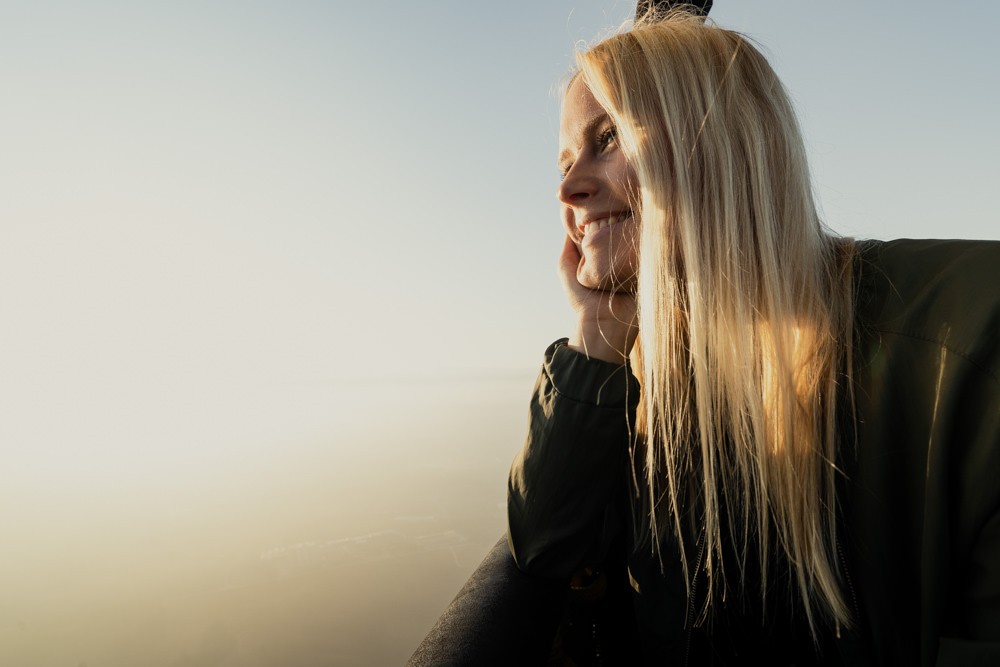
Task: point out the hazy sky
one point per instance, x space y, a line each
224 226
251 192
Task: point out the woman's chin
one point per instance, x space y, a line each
606 279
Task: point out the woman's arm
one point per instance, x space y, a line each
564 483
567 477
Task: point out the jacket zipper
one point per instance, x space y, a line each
692 598
850 585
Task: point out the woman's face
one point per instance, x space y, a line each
598 191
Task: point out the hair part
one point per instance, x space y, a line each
745 306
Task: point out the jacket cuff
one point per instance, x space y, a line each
587 380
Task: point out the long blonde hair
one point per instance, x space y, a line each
744 302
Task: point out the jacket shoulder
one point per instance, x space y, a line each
945 292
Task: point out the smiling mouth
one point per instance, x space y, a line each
597 225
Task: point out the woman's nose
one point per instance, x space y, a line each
577 185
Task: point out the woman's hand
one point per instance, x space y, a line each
606 321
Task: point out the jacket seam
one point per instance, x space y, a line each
928 339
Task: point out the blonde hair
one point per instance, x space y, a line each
745 306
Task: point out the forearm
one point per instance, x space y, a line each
573 463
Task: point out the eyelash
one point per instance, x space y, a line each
607 136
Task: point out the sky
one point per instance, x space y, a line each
313 240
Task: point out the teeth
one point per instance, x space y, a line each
598 225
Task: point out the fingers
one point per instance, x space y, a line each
569 261
569 258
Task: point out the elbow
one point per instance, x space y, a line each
539 551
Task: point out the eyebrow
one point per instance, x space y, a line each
588 129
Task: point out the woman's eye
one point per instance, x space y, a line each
607 137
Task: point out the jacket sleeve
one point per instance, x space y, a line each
972 626
565 482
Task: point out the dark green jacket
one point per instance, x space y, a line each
919 500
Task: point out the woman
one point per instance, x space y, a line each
791 437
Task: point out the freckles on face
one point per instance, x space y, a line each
599 193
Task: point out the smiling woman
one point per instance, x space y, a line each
779 442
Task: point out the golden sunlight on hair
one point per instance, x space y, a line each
735 267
